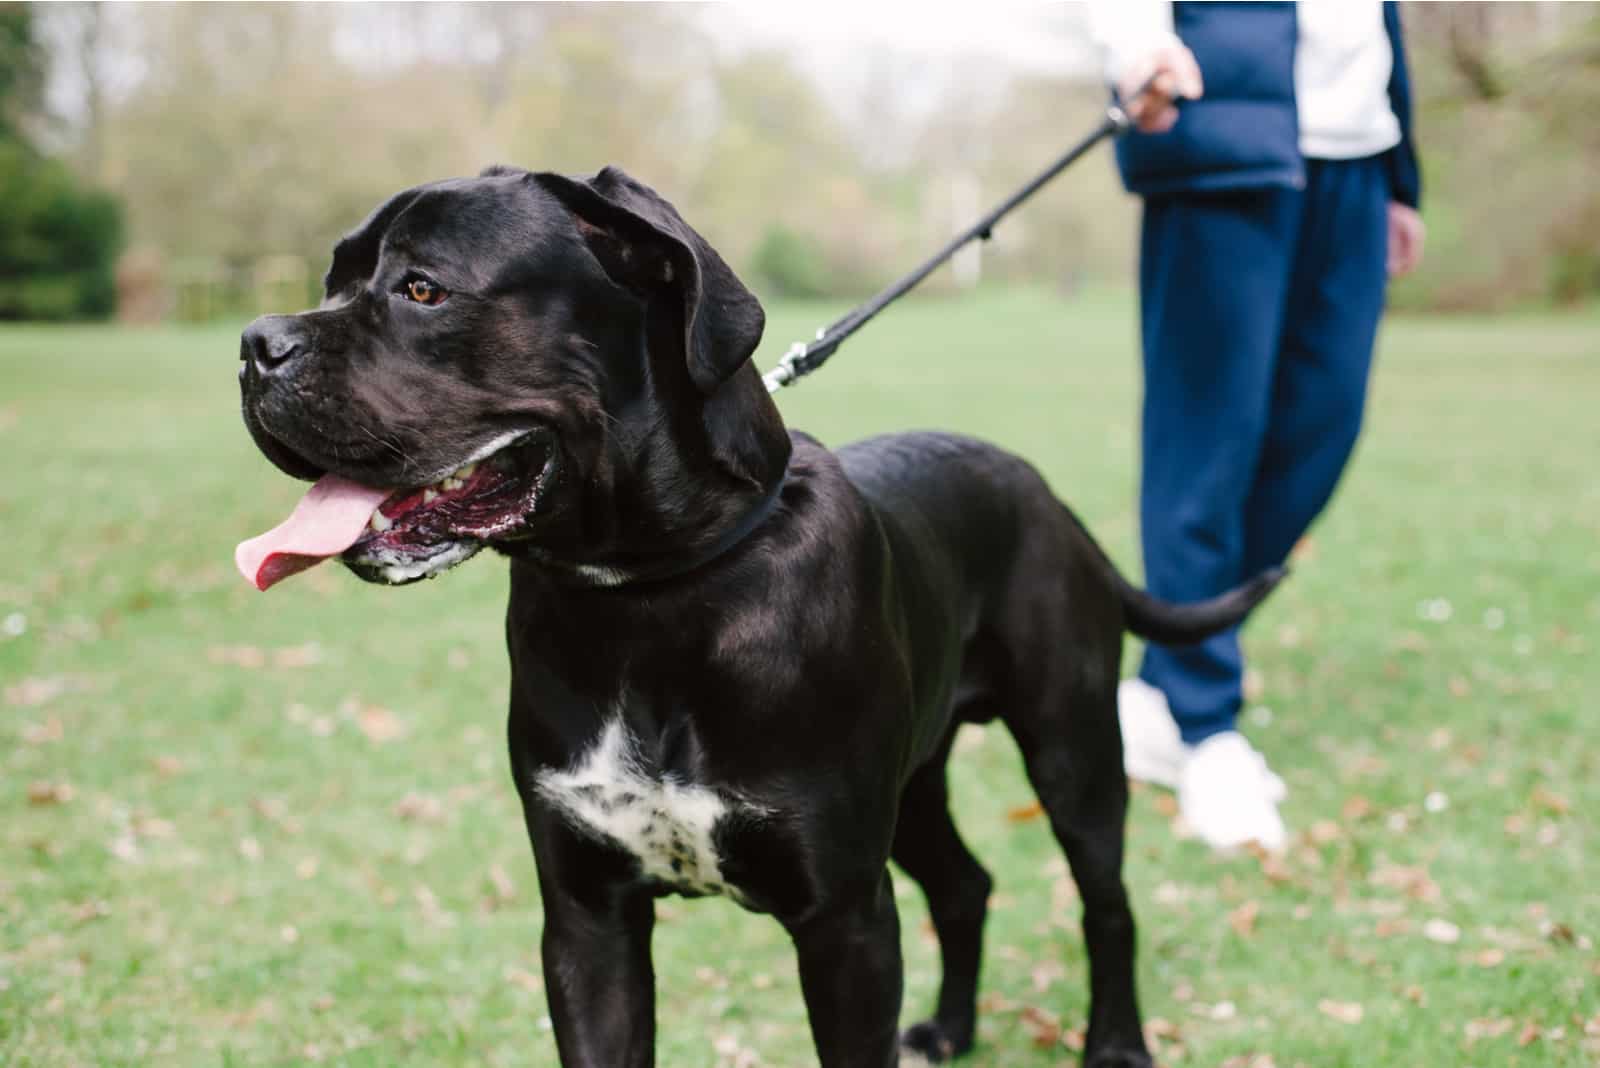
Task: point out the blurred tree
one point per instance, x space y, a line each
58 241
22 68
1507 98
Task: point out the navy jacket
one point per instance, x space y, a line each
1245 131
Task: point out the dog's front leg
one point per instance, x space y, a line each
851 974
599 979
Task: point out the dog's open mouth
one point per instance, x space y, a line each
400 536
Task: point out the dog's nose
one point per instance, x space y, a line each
270 343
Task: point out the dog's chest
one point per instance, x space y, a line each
667 824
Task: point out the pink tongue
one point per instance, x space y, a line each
326 522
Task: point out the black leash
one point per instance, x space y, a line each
805 357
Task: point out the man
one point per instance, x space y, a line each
1276 204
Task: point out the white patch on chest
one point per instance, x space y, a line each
666 824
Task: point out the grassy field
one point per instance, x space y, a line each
239 828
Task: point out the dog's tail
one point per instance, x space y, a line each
1166 623
1184 624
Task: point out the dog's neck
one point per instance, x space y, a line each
624 571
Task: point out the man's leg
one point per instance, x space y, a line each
1335 301
1214 278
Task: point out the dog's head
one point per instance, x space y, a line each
544 364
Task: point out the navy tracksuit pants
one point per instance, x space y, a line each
1259 309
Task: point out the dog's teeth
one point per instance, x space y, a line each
452 483
429 495
380 522
466 471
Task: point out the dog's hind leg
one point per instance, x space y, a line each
928 848
1073 750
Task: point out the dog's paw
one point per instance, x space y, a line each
929 1042
1118 1058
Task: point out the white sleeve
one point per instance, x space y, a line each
1124 30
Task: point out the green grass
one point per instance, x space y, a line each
272 829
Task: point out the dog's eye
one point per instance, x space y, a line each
423 291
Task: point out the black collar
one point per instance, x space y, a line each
602 576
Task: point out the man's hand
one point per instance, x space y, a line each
1407 233
1172 73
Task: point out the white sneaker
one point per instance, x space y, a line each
1152 751
1227 797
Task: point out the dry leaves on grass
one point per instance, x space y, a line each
1243 919
1346 1012
378 723
253 656
1411 880
1043 1028
1487 1027
521 977
50 793
32 692
1024 813
1549 801
419 808
1250 1060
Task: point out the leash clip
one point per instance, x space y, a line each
788 369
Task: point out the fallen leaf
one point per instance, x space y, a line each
1411 880
90 910
1543 798
1047 974
1490 958
32 692
1243 919
50 793
420 808
379 724
1043 1028
1529 1034
504 889
1356 807
1443 931
1023 813
1487 1027
44 733
167 766
1323 831
1349 1012
1388 928
297 656
245 656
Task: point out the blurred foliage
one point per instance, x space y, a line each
1511 149
58 240
790 265
237 133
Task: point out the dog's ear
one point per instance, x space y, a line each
644 244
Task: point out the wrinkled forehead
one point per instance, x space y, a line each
471 228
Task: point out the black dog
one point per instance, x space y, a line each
738 659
